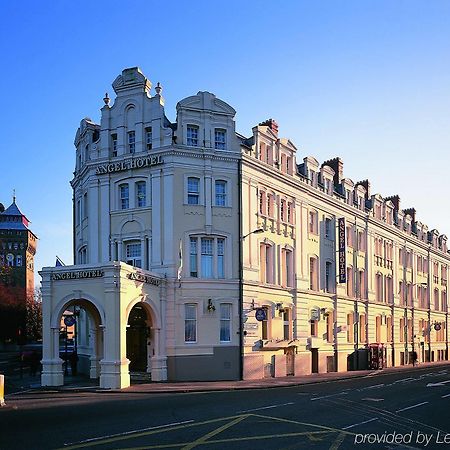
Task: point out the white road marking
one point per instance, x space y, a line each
360 423
266 407
371 387
128 432
411 407
331 395
369 399
444 396
441 383
404 380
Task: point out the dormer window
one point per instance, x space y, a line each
219 139
148 137
192 136
378 212
131 142
348 196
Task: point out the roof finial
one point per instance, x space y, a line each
14 196
106 99
158 88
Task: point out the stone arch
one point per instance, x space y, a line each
149 306
82 299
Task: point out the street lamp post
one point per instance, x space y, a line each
241 295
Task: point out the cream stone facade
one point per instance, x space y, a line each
392 303
156 213
201 254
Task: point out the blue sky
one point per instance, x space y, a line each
365 80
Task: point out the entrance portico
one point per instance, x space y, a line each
107 293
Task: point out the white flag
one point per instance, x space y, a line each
180 265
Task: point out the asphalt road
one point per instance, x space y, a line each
407 409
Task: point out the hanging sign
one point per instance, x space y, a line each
341 244
260 314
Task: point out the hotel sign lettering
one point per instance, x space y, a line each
76 275
341 242
135 163
144 278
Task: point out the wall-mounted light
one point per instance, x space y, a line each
210 307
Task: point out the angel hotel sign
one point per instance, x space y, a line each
135 163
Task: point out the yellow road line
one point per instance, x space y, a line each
280 419
339 440
232 420
204 438
227 440
144 433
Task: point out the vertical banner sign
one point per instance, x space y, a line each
342 264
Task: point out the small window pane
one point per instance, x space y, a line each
225 322
219 139
140 194
193 191
192 136
190 323
221 193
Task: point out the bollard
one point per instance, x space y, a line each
2 390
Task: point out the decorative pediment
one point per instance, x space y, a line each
131 78
288 144
206 101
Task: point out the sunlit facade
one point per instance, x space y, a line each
201 254
380 300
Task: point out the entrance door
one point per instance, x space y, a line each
137 332
314 360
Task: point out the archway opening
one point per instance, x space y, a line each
138 334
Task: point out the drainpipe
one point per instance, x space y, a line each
241 275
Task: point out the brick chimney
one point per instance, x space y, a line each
271 124
395 199
411 212
338 166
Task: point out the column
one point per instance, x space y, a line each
159 362
94 370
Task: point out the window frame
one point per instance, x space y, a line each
131 141
220 144
192 194
192 135
225 321
133 258
199 260
138 199
188 339
124 200
221 195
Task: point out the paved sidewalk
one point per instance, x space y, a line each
83 384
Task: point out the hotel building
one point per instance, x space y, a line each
201 254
